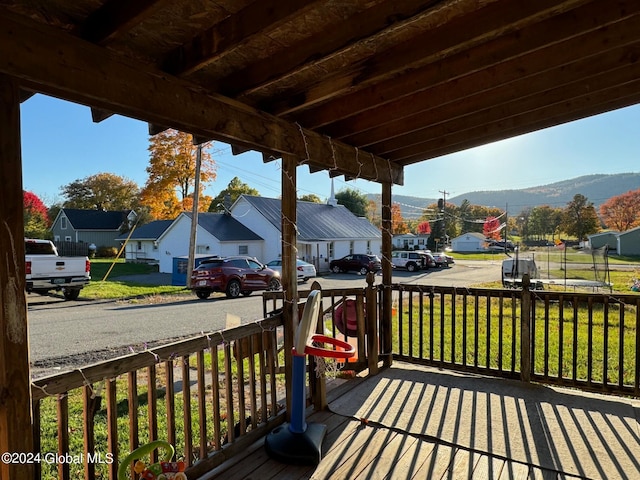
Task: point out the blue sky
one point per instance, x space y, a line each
60 144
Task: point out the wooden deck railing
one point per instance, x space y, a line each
585 340
210 396
213 395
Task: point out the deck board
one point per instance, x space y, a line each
397 426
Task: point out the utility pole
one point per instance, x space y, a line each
444 222
194 217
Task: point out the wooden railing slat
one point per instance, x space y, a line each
186 411
63 434
170 401
112 427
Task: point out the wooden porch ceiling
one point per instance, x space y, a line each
360 88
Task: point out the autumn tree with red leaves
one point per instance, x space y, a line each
424 228
622 212
491 228
36 221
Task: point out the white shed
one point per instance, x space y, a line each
469 242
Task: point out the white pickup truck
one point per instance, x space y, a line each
47 271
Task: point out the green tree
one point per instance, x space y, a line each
544 221
311 197
356 202
102 191
234 189
579 218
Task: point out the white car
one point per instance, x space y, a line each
305 270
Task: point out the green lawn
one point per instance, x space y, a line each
121 288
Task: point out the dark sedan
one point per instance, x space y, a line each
361 263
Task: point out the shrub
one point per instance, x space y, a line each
106 252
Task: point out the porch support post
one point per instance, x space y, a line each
525 330
289 277
16 433
385 324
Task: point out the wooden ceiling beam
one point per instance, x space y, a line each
459 34
209 46
599 53
115 17
370 19
98 115
483 59
598 72
589 104
43 57
544 101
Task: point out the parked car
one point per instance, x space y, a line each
429 260
501 246
233 276
443 260
411 260
357 262
305 270
45 270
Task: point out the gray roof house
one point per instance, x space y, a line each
599 240
325 231
216 234
97 227
629 242
142 243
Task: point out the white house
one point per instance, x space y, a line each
469 242
216 234
410 241
142 244
325 231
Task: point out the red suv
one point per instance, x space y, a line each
234 276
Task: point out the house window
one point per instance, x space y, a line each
63 223
67 238
202 248
330 250
351 247
243 249
368 246
139 245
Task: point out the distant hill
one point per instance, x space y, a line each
597 188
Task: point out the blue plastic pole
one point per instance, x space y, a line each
298 424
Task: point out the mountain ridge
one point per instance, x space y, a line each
598 188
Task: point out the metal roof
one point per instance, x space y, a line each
317 221
224 227
148 231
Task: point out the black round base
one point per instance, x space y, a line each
296 448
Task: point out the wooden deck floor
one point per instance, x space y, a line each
383 429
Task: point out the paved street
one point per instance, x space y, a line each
66 334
